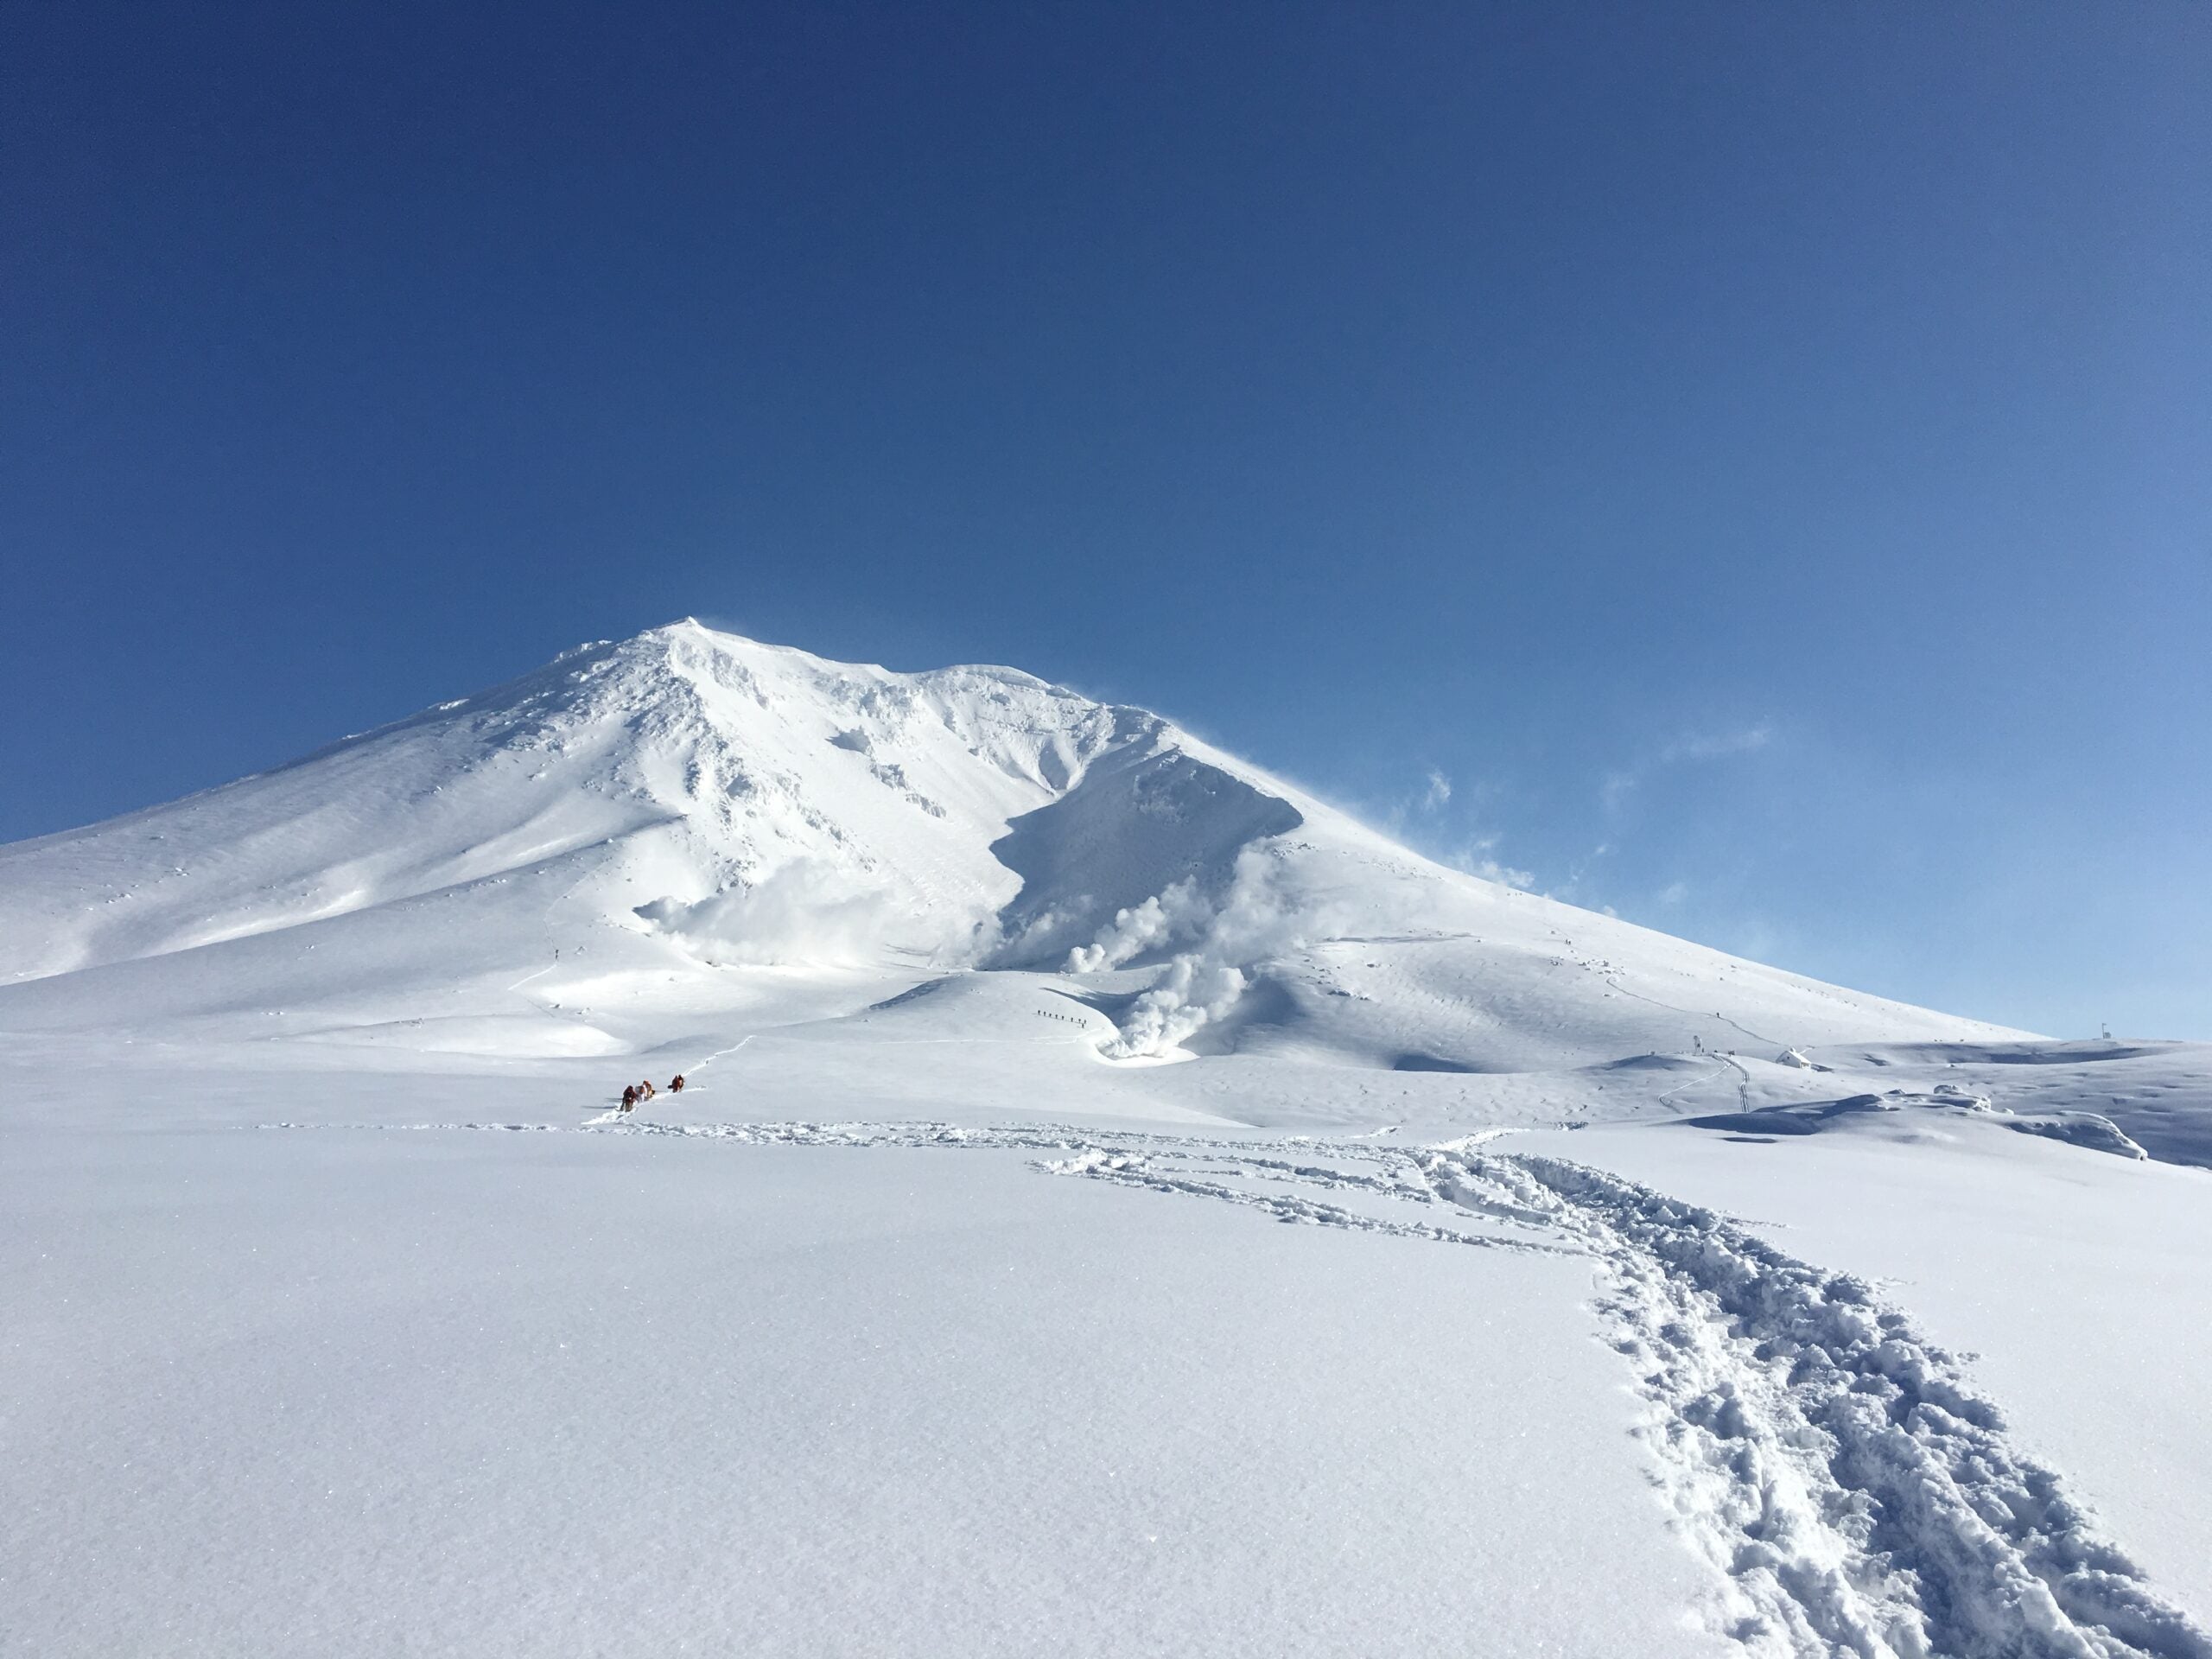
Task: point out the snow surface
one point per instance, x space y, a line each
944 1313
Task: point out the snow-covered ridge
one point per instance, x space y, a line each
762 759
688 821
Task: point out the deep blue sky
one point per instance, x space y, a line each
1759 454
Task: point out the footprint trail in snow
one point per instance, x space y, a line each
1853 1492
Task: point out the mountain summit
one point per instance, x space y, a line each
689 824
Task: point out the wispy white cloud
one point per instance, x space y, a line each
1418 817
1577 888
1691 747
1711 745
1479 857
1400 814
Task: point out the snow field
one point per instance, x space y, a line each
1851 1489
350 1392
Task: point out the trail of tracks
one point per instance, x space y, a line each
1850 1491
1855 1493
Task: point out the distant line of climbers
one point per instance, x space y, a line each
638 1092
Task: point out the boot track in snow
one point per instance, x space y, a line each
1852 1491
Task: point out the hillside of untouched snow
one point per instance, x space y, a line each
689 824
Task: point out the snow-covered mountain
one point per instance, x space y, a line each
688 823
939 1307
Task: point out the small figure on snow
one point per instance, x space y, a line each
646 1089
675 1084
630 1097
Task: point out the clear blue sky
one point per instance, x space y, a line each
1759 456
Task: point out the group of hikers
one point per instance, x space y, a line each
637 1092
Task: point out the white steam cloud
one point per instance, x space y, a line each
1176 913
1197 987
1250 923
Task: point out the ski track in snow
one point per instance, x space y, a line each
1853 1492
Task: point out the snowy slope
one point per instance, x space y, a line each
687 823
350 1364
1122 1204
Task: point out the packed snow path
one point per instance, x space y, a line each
1850 1491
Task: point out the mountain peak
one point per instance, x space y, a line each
672 816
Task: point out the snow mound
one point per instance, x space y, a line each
2090 1130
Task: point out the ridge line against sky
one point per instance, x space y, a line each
1740 466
